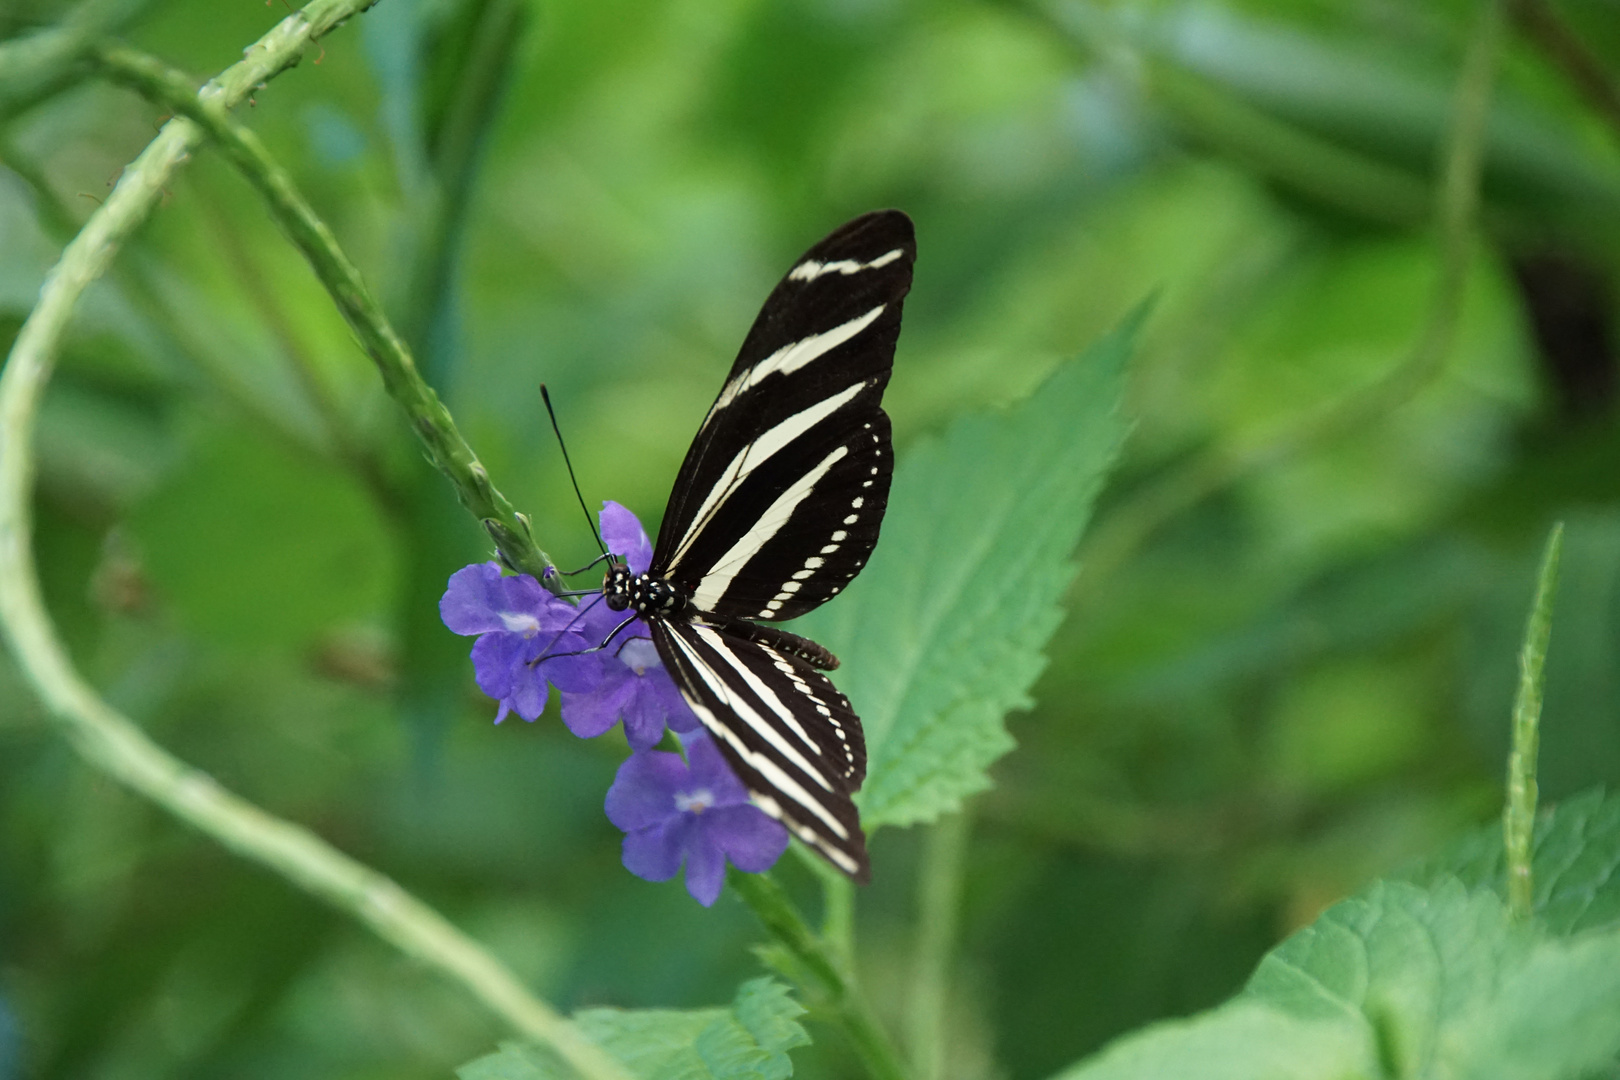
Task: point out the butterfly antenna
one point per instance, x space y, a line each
546 397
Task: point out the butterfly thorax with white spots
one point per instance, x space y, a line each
642 593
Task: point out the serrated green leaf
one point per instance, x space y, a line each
942 634
748 1041
1575 866
766 1010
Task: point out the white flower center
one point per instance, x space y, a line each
639 654
694 801
519 623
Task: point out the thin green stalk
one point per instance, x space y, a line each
1208 113
455 141
1285 152
429 418
1519 815
939 900
1456 209
110 741
466 63
177 339
37 65
336 428
805 959
838 919
1564 47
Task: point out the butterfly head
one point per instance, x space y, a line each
642 593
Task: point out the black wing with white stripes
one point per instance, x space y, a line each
775 509
788 733
778 503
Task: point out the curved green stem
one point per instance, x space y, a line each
1456 208
35 66
1564 47
109 740
429 418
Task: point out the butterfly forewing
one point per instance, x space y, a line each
796 442
788 733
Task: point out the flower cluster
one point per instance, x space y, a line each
607 670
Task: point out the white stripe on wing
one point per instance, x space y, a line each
718 579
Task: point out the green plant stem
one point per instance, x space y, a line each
1456 208
430 420
837 913
469 58
1563 46
335 428
1519 815
110 741
818 973
453 155
35 66
838 919
939 898
177 340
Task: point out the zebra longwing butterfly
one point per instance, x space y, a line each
776 508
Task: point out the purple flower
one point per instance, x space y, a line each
694 811
624 536
517 621
630 682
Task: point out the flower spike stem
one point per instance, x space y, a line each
1519 816
803 957
430 420
110 741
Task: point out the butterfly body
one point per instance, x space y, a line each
775 510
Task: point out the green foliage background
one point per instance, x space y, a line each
1292 687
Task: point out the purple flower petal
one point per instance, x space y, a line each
494 658
592 713
480 599
751 839
529 691
643 710
677 713
655 853
472 599
709 770
571 670
624 536
671 812
643 791
705 865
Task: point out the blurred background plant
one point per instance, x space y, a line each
1288 662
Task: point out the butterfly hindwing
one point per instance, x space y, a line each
796 442
785 729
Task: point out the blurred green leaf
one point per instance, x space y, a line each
1243 1041
254 547
748 1041
1401 981
944 631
